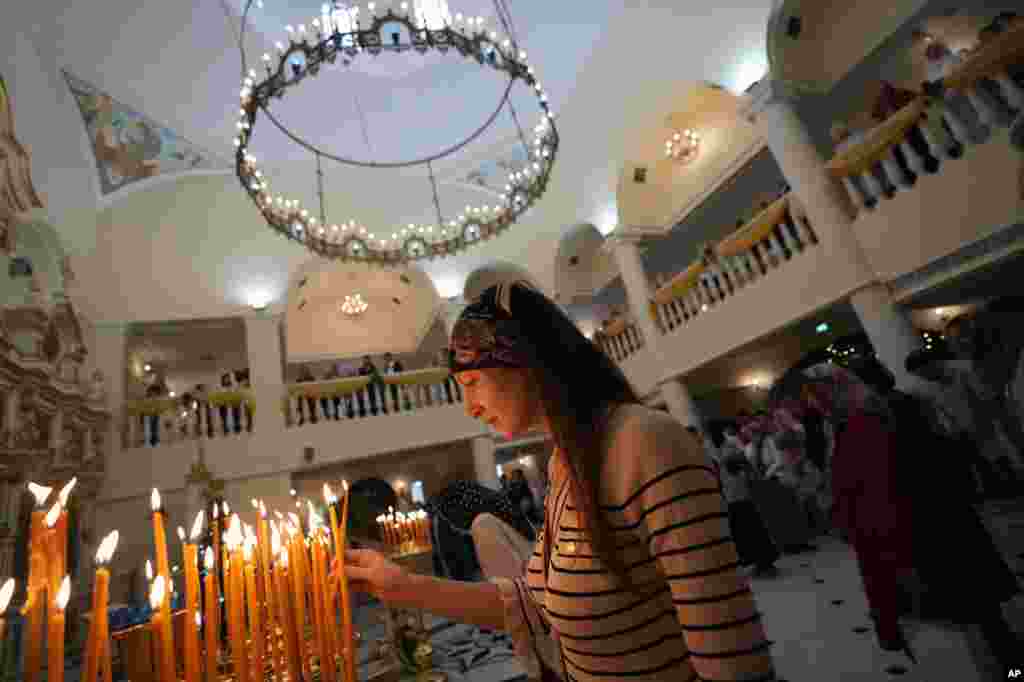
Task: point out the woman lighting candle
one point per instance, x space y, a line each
96 645
55 635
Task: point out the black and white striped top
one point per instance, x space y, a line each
690 614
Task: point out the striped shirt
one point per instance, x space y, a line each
690 614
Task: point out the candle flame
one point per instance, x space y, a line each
216 512
6 592
226 508
40 492
263 510
283 559
329 495
149 570
279 515
181 533
107 547
234 537
208 558
64 593
156 593
344 486
154 500
255 504
197 526
199 620
65 492
275 539
247 551
52 515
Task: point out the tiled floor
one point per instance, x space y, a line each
816 613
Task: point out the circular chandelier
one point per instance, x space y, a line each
354 305
682 146
345 34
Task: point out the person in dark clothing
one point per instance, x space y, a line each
368 369
452 513
815 443
305 376
392 366
521 496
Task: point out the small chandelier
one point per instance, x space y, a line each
682 146
354 305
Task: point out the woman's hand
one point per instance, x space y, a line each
369 571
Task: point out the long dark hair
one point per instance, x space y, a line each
578 385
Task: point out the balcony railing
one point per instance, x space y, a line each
620 339
977 97
774 236
359 398
153 421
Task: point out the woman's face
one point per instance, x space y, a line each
506 399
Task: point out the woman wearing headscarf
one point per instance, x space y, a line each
635 574
869 506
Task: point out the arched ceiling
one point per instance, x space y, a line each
665 190
197 248
584 265
402 306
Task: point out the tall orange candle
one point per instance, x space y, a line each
236 600
165 646
285 614
38 581
319 607
212 609
268 590
163 569
190 557
296 547
256 655
98 627
347 633
55 634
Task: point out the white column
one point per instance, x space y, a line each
484 463
266 370
827 204
680 403
890 332
627 256
111 359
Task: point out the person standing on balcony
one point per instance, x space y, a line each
391 368
305 376
635 573
368 369
333 374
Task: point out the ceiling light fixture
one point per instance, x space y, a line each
354 305
682 146
346 33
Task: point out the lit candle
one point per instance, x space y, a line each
55 635
38 579
284 612
163 570
157 598
268 589
296 547
346 596
212 608
190 556
236 602
255 619
319 567
98 625
6 592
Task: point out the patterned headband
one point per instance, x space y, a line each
487 335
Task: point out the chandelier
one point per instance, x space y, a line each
354 305
348 33
682 146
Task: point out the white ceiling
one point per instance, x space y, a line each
197 248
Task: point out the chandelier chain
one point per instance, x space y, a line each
437 199
320 191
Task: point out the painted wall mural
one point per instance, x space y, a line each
17 193
130 146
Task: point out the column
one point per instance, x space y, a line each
484 463
680 403
827 204
111 359
890 332
626 250
266 370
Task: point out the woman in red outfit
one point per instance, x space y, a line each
869 505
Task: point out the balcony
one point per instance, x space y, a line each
964 177
307 431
